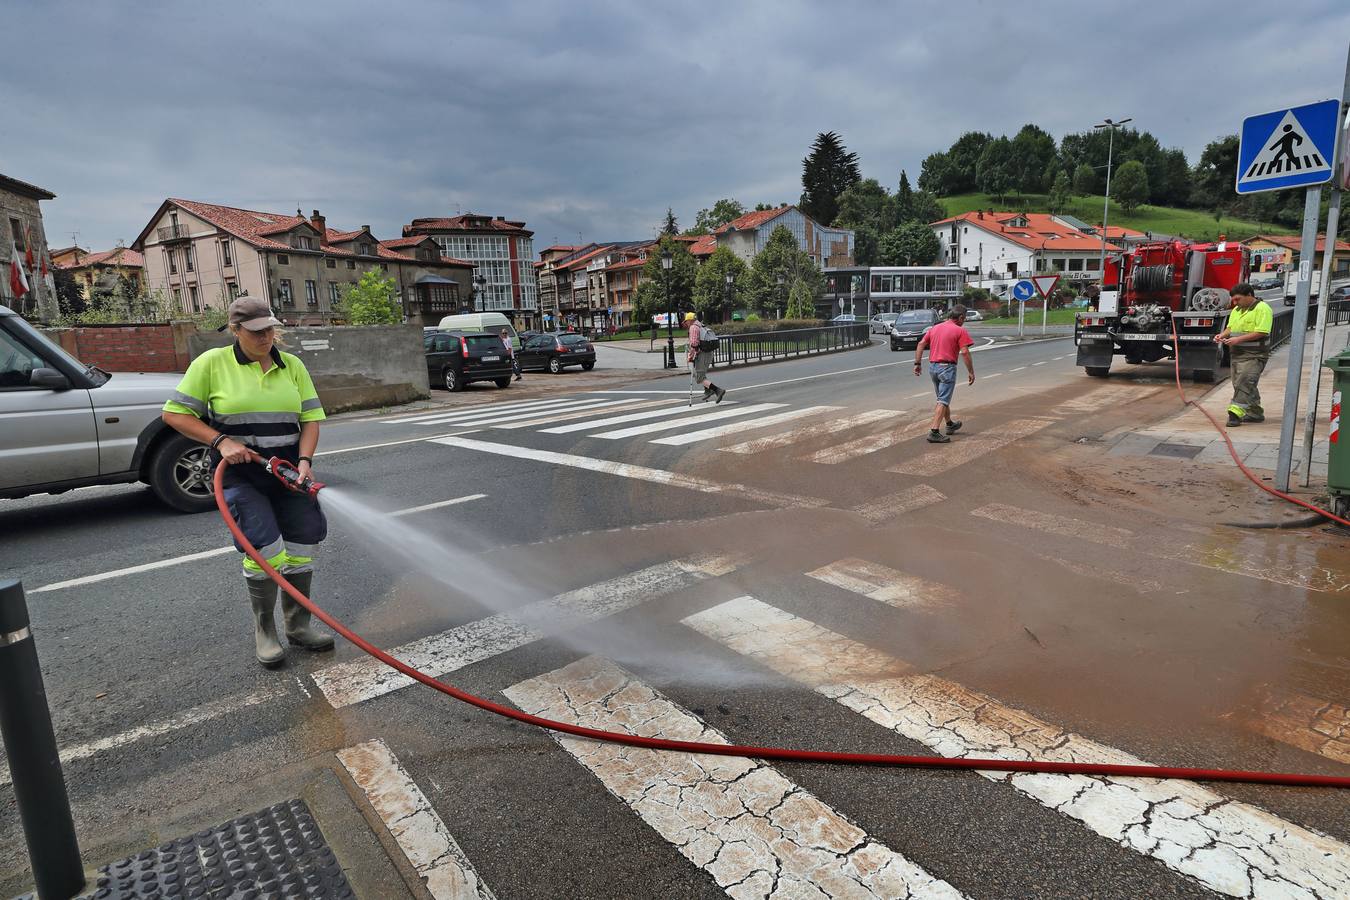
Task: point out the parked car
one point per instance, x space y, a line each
459 358
911 326
974 315
64 425
555 352
845 319
880 323
1265 284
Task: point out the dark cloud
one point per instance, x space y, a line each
591 119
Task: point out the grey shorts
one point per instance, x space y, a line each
702 363
944 381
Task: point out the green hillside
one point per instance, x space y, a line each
1189 223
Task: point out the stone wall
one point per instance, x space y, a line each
352 368
39 304
128 348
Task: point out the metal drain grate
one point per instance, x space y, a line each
277 852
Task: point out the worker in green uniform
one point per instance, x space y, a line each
247 402
1247 338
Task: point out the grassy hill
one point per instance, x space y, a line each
1189 223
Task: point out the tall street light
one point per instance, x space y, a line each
1106 201
726 302
481 283
666 262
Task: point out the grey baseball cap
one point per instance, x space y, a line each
252 313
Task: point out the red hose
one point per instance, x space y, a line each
825 756
1223 433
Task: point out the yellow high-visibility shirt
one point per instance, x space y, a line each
1245 321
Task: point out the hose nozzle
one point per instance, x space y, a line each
290 476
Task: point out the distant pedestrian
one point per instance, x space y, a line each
701 360
511 352
1247 338
944 341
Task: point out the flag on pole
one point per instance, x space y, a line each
18 281
44 267
28 246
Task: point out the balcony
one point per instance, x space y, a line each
169 233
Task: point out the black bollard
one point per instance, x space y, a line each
34 766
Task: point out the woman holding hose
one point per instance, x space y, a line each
247 402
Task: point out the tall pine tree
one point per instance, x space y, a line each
826 173
670 226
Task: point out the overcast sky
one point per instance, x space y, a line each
588 120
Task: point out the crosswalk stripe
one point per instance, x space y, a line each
737 427
794 435
463 417
740 820
1064 526
884 584
629 417
872 443
1309 723
940 458
364 678
418 830
469 409
707 416
1226 845
514 415
583 414
1105 397
892 506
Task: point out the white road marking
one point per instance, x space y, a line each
792 436
219 551
740 820
704 416
1227 846
1064 526
1018 369
1314 724
892 506
941 458
839 453
884 584
476 408
584 414
365 678
993 375
629 417
471 417
738 427
638 473
412 820
1041 363
416 440
207 712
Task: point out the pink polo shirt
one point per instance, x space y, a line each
945 341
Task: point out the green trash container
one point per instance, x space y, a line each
1338 462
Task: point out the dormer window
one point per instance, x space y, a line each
424 253
302 242
366 250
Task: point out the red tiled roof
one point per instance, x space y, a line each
752 219
1295 243
118 256
704 246
583 258
341 237
1040 232
626 264
465 222
566 248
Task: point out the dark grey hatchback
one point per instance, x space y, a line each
556 352
911 326
457 358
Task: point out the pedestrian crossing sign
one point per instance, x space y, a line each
1288 148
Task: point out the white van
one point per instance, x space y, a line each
491 322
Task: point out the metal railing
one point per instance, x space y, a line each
1281 324
172 232
766 346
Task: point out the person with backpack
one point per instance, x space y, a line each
702 342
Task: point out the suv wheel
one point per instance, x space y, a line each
180 475
555 366
452 380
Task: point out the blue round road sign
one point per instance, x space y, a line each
1023 291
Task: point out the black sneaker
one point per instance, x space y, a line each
937 437
721 392
954 427
1234 420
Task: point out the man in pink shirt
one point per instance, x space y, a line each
945 341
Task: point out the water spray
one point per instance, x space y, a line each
291 476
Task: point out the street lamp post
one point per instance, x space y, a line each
666 262
726 302
1106 201
481 284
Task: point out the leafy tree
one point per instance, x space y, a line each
1175 190
1032 150
710 283
371 301
1131 185
1214 174
650 297
69 298
927 209
964 156
867 203
826 173
865 245
996 170
1060 196
1052 169
911 244
801 302
761 207
723 211
669 226
1084 180
780 256
936 175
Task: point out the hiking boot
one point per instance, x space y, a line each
937 437
262 596
299 630
721 392
1254 418
954 426
707 394
1234 420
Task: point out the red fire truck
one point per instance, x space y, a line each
1149 288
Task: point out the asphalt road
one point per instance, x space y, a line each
809 550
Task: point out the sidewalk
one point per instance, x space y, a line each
1189 435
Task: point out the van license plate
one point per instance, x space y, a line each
492 359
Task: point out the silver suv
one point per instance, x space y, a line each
65 425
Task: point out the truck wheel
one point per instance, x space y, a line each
1202 376
179 473
1097 371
